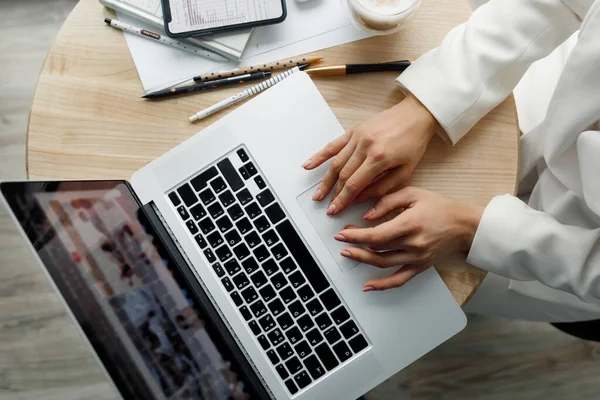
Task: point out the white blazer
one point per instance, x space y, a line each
548 240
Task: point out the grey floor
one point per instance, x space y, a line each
492 358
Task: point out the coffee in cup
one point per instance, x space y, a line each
381 16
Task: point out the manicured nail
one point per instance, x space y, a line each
317 195
307 163
331 209
345 253
368 213
340 238
368 288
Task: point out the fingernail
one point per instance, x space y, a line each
368 288
368 213
345 253
307 163
331 209
317 195
339 237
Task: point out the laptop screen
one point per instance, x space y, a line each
131 301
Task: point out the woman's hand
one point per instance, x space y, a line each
428 226
376 157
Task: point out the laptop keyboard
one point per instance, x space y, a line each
297 318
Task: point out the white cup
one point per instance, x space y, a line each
380 17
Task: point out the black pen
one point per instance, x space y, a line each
234 80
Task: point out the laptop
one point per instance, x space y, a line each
213 275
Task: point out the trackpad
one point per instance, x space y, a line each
327 226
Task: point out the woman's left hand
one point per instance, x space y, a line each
429 225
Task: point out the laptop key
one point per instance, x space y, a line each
275 213
244 196
264 343
242 155
215 239
288 265
302 256
258 309
291 386
342 350
302 349
209 256
232 267
244 173
192 227
252 210
206 225
279 251
276 307
218 270
215 210
296 279
296 309
282 372
293 365
252 239
175 200
187 195
250 265
357 343
314 307
302 380
249 294
332 335
244 226
287 295
305 293
261 224
227 284
200 240
183 213
323 321
314 337
241 281
285 351
275 337
267 293
241 251
207 196
201 180
285 321
349 329
218 185
265 198
251 169
230 174
267 323
270 237
245 313
259 279
260 182
330 299
235 212
273 357
278 280
226 198
326 356
232 238
340 315
237 300
223 252
254 327
314 367
270 267
198 211
261 253
305 323
294 335
224 224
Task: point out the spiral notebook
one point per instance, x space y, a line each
230 45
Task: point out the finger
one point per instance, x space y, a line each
392 180
353 164
331 149
331 176
354 186
403 198
380 234
397 279
387 259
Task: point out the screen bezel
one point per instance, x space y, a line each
223 339
166 6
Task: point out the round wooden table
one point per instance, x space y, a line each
89 122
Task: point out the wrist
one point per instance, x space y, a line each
427 122
468 218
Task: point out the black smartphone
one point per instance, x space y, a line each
185 18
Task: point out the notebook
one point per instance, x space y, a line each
230 45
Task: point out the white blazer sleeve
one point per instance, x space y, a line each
520 243
480 62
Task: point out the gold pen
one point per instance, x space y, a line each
347 69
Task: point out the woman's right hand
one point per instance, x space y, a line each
375 158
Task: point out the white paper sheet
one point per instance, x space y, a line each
309 26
